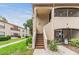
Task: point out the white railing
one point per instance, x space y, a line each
33 40
45 38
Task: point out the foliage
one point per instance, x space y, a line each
8 37
16 49
4 38
26 36
29 41
74 42
53 46
29 24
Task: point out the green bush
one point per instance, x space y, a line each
26 36
29 41
74 42
8 37
4 38
53 46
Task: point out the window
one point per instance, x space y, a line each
66 12
73 12
2 33
2 26
60 12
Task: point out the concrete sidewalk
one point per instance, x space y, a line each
65 51
61 51
5 45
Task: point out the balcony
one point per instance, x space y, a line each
15 29
66 18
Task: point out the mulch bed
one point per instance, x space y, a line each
75 49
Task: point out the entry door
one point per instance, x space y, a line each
66 34
59 35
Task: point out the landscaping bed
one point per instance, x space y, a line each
16 49
73 45
53 46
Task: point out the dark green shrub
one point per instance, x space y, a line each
53 46
26 36
8 37
29 41
4 38
19 36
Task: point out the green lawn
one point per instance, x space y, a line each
16 49
9 41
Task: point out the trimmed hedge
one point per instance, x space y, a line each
4 38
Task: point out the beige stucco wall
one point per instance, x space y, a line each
1 29
7 29
41 22
49 31
22 32
66 22
49 28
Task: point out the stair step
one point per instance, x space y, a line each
40 38
39 44
39 47
39 41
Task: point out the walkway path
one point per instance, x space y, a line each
61 51
11 43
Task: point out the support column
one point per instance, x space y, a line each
52 23
34 29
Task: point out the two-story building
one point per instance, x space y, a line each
7 28
54 21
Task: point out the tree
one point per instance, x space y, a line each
29 24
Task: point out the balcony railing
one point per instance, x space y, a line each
14 29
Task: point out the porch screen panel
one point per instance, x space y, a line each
60 12
73 12
66 12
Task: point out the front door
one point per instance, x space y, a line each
61 35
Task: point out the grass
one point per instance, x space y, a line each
9 41
16 49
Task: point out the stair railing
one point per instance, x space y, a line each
45 38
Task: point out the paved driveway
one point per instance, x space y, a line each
61 51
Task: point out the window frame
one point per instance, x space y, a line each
67 12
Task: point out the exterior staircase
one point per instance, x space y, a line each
39 41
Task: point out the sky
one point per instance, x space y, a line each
16 13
